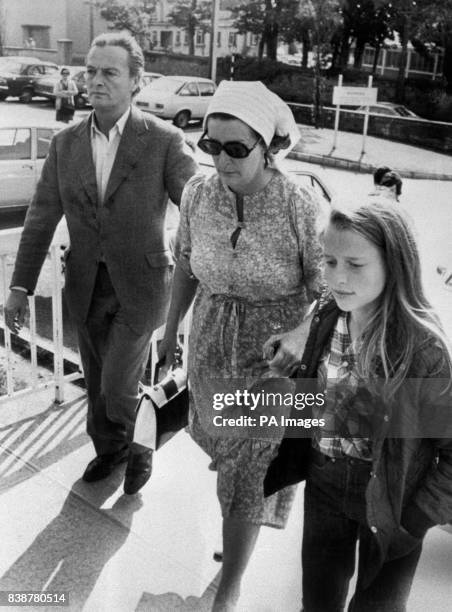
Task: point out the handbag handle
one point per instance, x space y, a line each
177 362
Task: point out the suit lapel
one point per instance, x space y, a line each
129 152
83 160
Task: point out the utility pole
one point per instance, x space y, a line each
213 40
91 4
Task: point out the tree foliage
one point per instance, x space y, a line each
135 16
191 15
269 19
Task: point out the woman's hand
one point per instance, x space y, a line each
166 351
284 351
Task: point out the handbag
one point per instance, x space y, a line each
162 409
290 465
67 106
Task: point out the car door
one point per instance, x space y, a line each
188 97
206 91
44 136
17 167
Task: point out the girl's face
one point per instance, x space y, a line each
354 270
245 175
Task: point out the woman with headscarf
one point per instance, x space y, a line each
250 258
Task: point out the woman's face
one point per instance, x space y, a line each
354 270
245 175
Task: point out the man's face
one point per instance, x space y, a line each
108 79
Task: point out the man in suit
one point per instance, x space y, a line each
111 176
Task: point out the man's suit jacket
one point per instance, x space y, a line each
126 230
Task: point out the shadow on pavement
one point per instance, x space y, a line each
40 440
72 551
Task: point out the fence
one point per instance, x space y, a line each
9 241
416 64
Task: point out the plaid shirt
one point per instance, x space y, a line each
345 419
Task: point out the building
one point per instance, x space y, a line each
78 21
167 37
46 23
417 66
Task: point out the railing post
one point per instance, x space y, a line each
9 364
57 317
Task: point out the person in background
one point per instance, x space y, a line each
64 91
250 259
380 470
387 183
110 175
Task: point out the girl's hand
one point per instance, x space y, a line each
284 351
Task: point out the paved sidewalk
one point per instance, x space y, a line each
316 146
151 552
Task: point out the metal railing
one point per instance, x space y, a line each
9 241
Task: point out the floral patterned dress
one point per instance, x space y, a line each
246 293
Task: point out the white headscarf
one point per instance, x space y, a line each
258 107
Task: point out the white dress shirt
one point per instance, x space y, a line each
104 151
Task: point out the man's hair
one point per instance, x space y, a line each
127 42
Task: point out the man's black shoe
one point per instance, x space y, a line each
103 465
138 471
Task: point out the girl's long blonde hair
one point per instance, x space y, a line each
404 316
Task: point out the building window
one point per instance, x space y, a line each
253 40
36 36
154 38
218 39
232 39
177 40
186 41
199 37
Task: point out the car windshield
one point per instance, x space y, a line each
166 85
11 66
404 112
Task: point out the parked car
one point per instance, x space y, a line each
148 77
179 98
23 149
45 85
389 108
18 76
304 178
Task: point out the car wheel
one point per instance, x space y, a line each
3 97
181 119
79 101
26 96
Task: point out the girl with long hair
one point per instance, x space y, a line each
380 469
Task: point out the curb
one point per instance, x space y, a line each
356 166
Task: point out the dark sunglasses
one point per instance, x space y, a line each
234 149
65 74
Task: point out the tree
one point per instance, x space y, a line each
135 16
191 15
406 14
268 19
323 17
434 29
